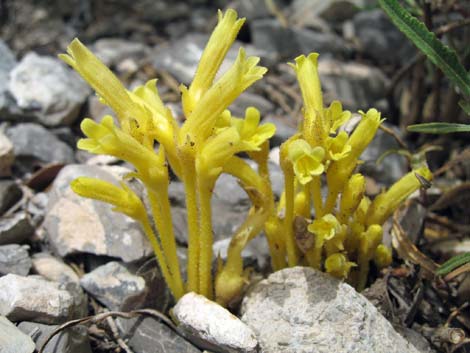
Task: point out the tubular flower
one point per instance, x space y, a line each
106 138
324 228
251 133
307 161
336 116
202 119
214 53
338 266
338 147
122 198
384 204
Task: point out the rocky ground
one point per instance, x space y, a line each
63 257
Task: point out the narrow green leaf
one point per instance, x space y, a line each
453 263
439 128
442 56
465 105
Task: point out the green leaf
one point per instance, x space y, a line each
465 105
439 128
442 56
453 263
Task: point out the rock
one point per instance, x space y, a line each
71 340
10 193
392 167
148 335
228 191
303 310
256 251
252 9
36 207
7 157
7 63
285 43
36 299
211 326
181 57
248 99
356 86
53 269
15 228
14 259
330 10
46 89
115 287
78 225
285 128
111 51
380 39
12 339
32 141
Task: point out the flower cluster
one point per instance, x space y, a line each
342 239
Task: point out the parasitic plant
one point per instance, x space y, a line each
341 234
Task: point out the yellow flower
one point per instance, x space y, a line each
307 161
383 256
324 228
202 119
122 198
338 147
336 116
251 133
214 53
338 265
385 203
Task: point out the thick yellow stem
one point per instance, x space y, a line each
315 189
205 237
162 217
189 180
289 187
160 257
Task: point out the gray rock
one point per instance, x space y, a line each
285 128
111 51
181 57
7 157
256 251
15 228
14 259
7 63
304 310
46 89
71 340
53 269
228 191
248 99
36 207
12 339
355 85
213 327
36 299
78 225
285 43
330 10
115 287
148 335
32 141
252 9
380 39
10 193
392 167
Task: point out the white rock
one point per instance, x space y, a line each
35 299
53 269
12 340
7 156
301 310
44 86
212 327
